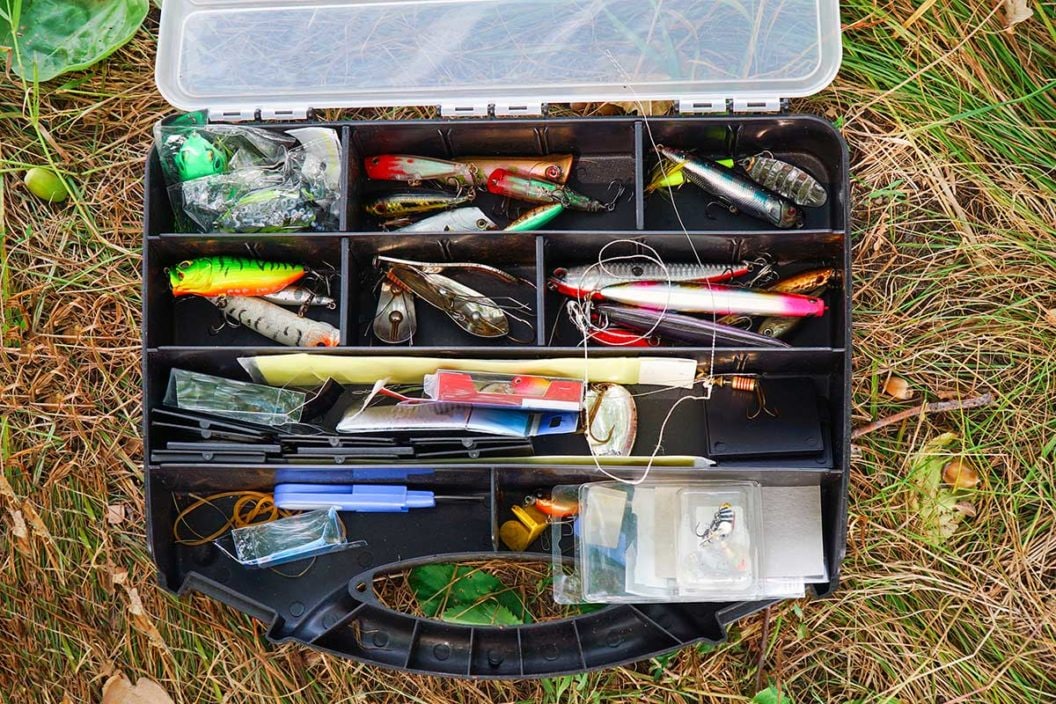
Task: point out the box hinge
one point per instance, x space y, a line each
759 104
518 108
701 105
464 109
253 115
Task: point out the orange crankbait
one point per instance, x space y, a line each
553 508
224 275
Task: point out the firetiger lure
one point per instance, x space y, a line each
415 169
711 298
735 190
555 168
277 323
785 179
532 190
223 275
583 281
417 201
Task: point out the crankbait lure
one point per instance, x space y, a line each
553 508
583 281
735 190
785 179
395 321
805 281
536 218
421 201
277 323
722 524
555 168
711 298
469 219
611 420
681 328
415 169
509 185
299 296
777 327
222 275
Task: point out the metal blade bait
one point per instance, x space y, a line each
221 275
737 191
277 323
469 219
611 420
711 298
421 201
472 311
415 169
535 218
509 185
584 281
806 281
680 328
555 168
785 179
395 321
299 296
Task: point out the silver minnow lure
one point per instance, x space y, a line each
458 220
299 296
739 192
277 323
581 281
785 179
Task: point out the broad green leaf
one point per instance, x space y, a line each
444 586
56 36
486 613
770 696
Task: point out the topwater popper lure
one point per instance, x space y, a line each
555 168
415 169
785 179
509 185
735 190
223 275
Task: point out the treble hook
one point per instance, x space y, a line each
620 190
725 206
761 407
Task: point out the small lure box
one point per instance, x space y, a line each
496 70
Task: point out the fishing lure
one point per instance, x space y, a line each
395 321
469 219
680 328
221 275
585 281
415 169
711 298
664 176
420 201
785 179
722 524
806 281
509 185
779 326
555 168
553 508
300 296
611 420
472 311
740 193
277 323
269 210
536 218
621 337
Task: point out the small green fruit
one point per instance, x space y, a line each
45 184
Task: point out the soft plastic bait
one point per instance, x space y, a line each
224 275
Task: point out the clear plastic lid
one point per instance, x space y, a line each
286 54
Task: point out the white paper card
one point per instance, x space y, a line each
792 533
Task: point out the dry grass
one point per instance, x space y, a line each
952 123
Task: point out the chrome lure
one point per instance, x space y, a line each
740 193
470 219
785 179
712 298
583 281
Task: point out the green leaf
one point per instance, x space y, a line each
770 696
50 37
442 587
486 613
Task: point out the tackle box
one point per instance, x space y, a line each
493 67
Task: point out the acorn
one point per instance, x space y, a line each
960 474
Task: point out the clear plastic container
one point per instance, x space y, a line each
247 54
663 542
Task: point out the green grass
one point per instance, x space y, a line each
952 127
